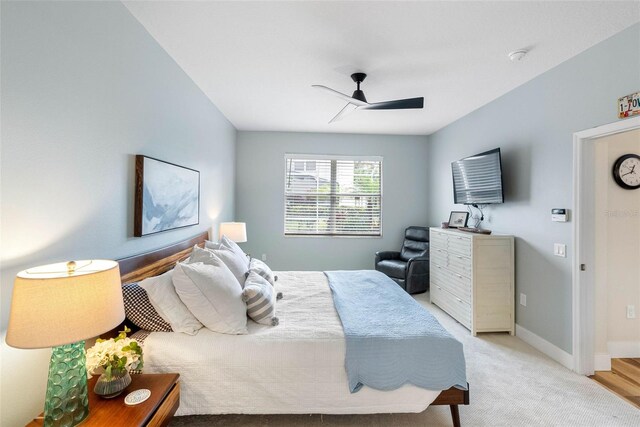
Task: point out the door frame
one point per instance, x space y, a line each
583 283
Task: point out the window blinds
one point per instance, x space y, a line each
333 195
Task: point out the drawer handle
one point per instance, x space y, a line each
459 257
459 276
459 300
458 237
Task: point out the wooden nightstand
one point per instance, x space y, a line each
155 411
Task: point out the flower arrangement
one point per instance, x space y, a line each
115 356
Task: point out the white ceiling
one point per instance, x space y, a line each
257 60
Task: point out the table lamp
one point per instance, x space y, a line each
60 306
236 231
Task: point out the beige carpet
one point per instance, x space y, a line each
511 384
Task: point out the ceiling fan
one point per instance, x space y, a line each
359 102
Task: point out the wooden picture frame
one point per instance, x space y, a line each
167 196
458 219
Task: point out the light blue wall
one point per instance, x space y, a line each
84 89
534 126
260 196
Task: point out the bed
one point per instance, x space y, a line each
296 367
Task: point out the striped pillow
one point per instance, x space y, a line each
260 299
263 270
140 311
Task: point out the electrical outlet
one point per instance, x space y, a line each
560 249
523 299
631 312
264 257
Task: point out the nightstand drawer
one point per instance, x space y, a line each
167 410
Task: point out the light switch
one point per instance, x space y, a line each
560 249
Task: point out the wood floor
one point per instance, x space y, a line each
623 379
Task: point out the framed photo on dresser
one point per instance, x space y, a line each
458 219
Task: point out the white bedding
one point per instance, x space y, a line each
295 367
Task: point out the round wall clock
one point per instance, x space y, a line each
626 171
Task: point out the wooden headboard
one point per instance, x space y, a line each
153 263
149 264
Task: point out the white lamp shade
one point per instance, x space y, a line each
53 305
236 231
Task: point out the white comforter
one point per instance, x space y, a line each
295 367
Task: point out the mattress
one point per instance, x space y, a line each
295 367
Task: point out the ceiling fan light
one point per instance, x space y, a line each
359 95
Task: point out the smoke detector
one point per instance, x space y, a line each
517 55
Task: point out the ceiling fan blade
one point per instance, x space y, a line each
349 108
398 104
347 98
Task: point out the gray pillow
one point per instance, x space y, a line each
260 298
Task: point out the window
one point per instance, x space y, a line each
332 195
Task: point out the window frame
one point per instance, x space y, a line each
354 158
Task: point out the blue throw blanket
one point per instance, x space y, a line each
391 339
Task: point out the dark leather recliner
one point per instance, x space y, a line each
409 268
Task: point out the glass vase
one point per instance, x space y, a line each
111 387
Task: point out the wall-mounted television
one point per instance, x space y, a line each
477 180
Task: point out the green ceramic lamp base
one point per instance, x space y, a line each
67 403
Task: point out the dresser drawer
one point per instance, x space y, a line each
456 284
438 259
438 239
459 245
457 308
460 264
438 273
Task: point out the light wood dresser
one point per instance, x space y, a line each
472 278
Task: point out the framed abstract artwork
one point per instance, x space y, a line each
167 196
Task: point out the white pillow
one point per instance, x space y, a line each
233 246
261 300
212 294
263 270
211 245
169 306
234 262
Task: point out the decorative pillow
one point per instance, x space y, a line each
233 246
263 270
165 300
212 295
233 261
140 311
260 299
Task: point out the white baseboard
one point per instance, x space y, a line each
535 341
618 349
602 362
